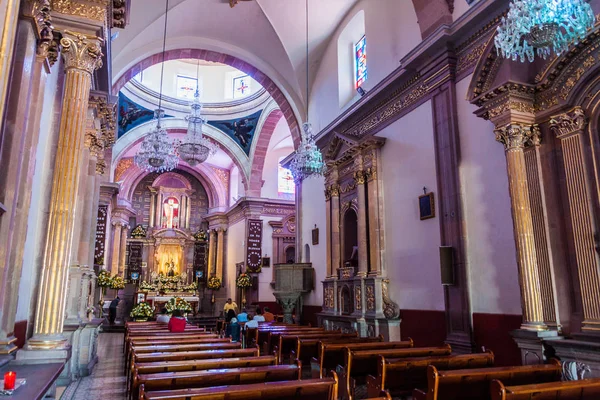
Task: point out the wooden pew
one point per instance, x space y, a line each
189 355
586 389
471 384
220 377
151 333
360 363
262 333
384 395
198 365
401 375
308 347
312 389
287 343
273 336
330 355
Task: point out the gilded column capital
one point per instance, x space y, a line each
518 136
371 174
334 190
327 193
569 123
360 177
81 52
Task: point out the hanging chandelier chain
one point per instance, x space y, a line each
164 49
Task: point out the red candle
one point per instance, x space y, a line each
9 380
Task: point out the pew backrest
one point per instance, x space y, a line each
163 348
308 347
288 343
586 389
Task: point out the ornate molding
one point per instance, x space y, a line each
91 9
566 124
360 177
518 136
120 13
391 310
123 165
81 52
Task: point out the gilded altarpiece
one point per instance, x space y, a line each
355 290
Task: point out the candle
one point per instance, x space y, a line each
9 380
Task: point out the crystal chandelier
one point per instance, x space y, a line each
157 153
195 148
308 160
543 26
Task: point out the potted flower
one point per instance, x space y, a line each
214 283
142 312
104 280
243 282
177 303
147 287
117 283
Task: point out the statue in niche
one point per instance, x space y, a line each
170 266
170 217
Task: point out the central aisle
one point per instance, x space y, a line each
107 380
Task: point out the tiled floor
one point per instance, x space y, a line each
107 381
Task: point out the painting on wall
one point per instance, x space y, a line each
241 130
132 114
426 206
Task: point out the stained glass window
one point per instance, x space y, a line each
285 182
241 86
186 87
360 62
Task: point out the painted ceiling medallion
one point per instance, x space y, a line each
542 26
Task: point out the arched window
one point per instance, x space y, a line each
352 59
285 182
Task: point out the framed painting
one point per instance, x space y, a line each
315 236
426 206
266 262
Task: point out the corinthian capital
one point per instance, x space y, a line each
566 124
518 136
81 51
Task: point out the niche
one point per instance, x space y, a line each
290 255
346 301
350 238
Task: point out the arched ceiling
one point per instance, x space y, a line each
269 34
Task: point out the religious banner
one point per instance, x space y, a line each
200 257
254 247
134 259
100 235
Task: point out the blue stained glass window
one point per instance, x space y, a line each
360 62
241 86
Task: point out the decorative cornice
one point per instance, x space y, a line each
120 13
95 10
518 136
569 123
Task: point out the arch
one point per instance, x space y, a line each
350 233
173 177
209 55
260 153
290 253
306 253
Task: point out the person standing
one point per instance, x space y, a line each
112 310
230 305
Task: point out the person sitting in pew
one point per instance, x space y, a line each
269 317
259 317
233 330
252 322
163 317
243 316
177 322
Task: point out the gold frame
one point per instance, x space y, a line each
431 206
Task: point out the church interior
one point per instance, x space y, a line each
240 199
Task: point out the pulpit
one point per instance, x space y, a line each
291 282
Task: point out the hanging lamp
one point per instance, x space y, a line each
542 26
308 159
196 148
157 153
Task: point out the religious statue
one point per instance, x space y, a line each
170 266
170 217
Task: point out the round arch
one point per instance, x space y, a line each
209 55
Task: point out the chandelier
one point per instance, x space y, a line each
195 148
308 160
157 152
543 26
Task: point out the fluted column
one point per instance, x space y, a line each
114 269
9 9
328 231
375 242
569 128
220 252
123 249
212 248
515 137
188 212
363 252
335 229
152 209
82 55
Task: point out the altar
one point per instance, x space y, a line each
158 301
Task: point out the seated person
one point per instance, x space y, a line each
229 316
269 317
243 316
163 317
233 330
259 317
252 322
177 322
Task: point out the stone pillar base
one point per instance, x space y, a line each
577 350
532 346
30 356
366 327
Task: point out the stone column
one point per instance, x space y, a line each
87 195
74 295
152 209
363 252
159 210
9 9
515 137
82 56
335 229
328 231
569 128
123 250
220 252
212 248
376 242
188 212
116 248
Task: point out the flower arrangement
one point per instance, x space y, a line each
191 287
147 287
214 283
142 310
117 283
104 279
243 281
177 303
